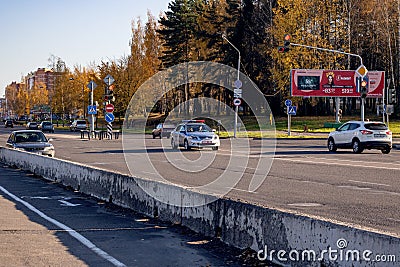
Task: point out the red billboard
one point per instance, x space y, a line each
334 83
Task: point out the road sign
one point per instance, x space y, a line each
237 101
92 110
92 85
109 117
109 108
237 93
362 71
109 79
292 110
238 84
288 102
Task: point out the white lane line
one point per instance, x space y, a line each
361 182
315 161
359 161
69 230
242 190
66 203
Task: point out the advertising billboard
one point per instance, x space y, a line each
334 83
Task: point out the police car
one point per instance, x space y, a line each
194 134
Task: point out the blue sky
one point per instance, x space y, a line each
80 32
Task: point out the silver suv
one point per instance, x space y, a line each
360 135
78 125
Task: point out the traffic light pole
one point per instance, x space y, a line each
329 50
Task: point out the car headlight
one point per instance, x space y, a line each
215 137
49 148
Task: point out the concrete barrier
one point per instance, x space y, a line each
288 239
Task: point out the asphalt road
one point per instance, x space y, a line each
360 190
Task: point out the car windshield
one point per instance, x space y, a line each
376 126
81 122
46 123
30 137
198 128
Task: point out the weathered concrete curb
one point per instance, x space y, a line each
239 224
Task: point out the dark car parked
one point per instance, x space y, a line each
9 123
163 130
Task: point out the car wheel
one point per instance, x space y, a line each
186 145
331 145
386 150
173 145
357 148
215 148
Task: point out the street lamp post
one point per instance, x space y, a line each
238 74
83 101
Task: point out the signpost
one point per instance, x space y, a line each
109 108
290 110
92 85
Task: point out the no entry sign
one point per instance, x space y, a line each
109 108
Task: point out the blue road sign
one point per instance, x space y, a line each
92 110
292 110
109 117
288 102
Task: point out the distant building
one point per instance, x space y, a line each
3 108
41 77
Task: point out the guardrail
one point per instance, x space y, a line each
100 134
239 224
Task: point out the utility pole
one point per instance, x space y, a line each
237 84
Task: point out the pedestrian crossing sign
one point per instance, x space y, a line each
92 110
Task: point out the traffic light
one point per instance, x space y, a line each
286 44
364 90
392 96
109 93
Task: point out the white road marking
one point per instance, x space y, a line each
69 230
36 197
242 190
66 203
359 164
361 182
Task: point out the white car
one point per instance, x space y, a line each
360 135
78 125
32 141
194 134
